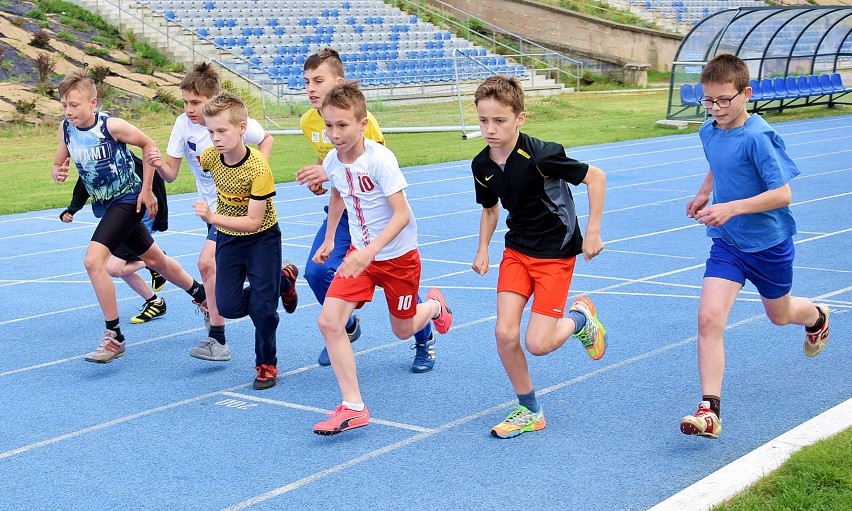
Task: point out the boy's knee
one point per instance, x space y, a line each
536 348
207 268
507 336
778 318
329 326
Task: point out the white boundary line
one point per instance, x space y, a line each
743 472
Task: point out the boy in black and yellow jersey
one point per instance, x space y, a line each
248 244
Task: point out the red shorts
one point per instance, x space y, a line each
399 277
547 279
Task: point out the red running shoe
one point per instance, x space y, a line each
445 319
289 298
267 376
342 419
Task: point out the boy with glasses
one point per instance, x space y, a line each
752 230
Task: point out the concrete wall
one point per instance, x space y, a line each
585 35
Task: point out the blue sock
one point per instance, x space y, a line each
579 320
529 401
426 333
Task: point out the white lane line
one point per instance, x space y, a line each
741 473
373 420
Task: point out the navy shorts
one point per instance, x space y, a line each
770 270
211 232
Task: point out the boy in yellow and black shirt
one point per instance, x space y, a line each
248 243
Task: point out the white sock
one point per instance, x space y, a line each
352 406
440 308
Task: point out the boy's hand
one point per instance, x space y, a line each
480 264
146 198
322 253
699 201
355 263
66 217
60 173
592 245
314 176
715 215
154 157
202 209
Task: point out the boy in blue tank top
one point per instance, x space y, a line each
752 230
97 143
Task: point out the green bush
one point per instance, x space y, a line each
64 35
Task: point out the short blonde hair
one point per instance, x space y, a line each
226 102
504 89
347 96
80 81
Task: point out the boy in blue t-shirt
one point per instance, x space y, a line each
751 226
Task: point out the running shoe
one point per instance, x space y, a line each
445 318
593 334
705 422
267 377
152 310
424 355
342 419
289 298
816 341
158 282
210 349
201 308
520 420
354 332
108 349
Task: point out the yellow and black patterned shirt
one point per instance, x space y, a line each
237 184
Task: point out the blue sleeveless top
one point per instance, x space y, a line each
105 165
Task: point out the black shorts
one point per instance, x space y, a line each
122 225
125 254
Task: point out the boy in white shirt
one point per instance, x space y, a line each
367 181
189 139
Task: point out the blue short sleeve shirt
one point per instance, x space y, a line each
747 161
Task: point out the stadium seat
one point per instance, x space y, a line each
780 88
767 90
816 88
804 87
793 87
687 95
825 83
755 90
837 83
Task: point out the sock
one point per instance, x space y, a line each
350 325
352 406
218 333
529 401
714 403
579 320
152 299
426 333
114 326
819 322
197 292
440 309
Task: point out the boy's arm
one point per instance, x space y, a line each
61 160
123 131
357 261
487 226
595 182
314 176
249 223
78 197
265 145
702 197
335 213
168 169
718 214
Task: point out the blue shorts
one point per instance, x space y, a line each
770 270
211 232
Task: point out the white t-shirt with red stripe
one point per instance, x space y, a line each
364 186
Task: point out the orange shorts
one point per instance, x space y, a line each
399 277
547 279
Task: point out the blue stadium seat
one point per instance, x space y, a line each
203 33
813 81
804 87
825 83
699 92
273 22
687 95
792 87
767 90
170 15
780 87
837 83
755 90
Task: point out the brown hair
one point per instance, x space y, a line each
203 80
506 90
726 68
347 96
326 56
78 80
226 102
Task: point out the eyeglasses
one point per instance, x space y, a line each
722 103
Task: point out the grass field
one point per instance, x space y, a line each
818 477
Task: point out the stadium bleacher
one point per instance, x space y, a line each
268 40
